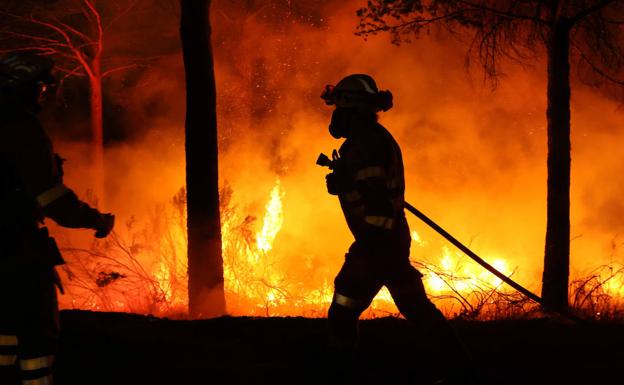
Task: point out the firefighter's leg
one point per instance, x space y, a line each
9 298
8 358
355 287
409 295
8 350
39 330
343 316
354 290
36 370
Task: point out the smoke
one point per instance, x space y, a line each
475 158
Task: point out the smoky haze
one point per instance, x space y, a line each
475 158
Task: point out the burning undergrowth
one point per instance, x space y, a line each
121 273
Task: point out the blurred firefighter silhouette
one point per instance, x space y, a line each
31 189
367 176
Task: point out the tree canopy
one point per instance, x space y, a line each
512 29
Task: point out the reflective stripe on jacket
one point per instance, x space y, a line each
372 168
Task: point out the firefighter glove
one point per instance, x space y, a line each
104 225
335 183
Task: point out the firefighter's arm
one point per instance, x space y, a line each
42 176
63 206
337 181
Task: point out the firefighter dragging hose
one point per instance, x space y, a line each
368 178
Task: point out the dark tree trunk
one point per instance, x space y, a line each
205 260
557 250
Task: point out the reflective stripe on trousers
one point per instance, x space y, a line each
8 350
351 303
37 370
8 340
47 380
36 363
7 359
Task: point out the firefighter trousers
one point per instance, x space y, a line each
363 274
29 325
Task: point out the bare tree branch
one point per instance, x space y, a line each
71 29
51 26
505 14
420 21
74 71
588 11
122 68
68 73
98 24
120 15
86 11
595 68
42 50
26 36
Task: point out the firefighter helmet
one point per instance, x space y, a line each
357 90
23 68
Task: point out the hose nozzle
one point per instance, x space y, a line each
324 161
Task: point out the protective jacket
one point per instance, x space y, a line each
34 190
31 188
372 194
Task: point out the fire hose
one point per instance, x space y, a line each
529 294
323 160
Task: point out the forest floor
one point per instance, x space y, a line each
114 348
